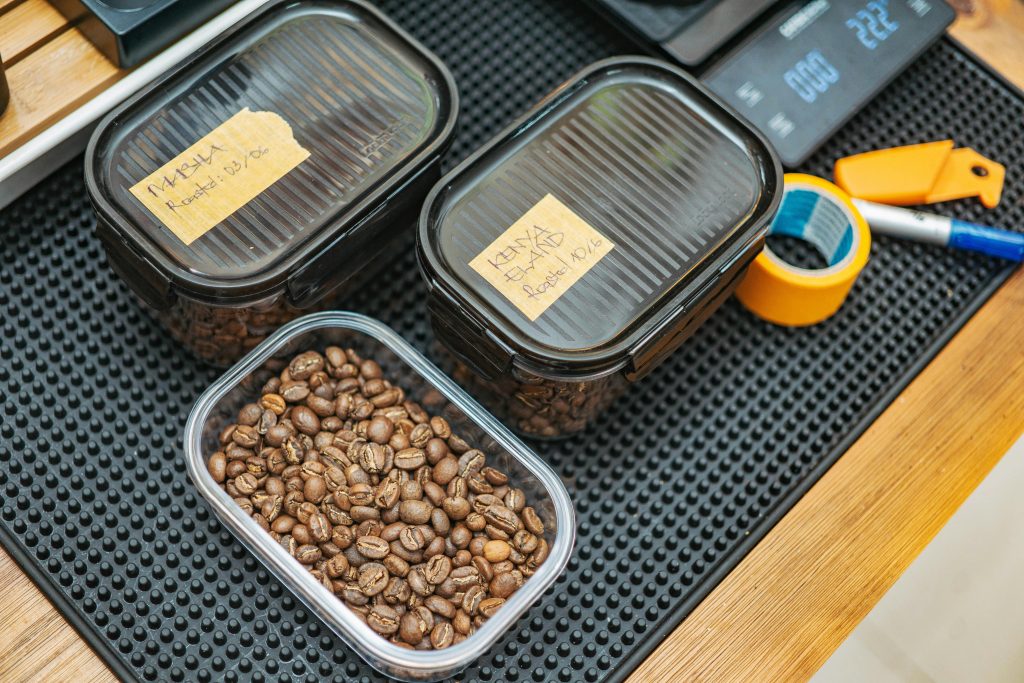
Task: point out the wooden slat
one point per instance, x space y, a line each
8 4
50 82
36 644
994 30
794 599
26 27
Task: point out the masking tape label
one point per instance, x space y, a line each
541 256
220 173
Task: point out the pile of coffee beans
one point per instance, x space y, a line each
541 407
221 335
389 509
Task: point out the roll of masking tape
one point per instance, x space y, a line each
821 214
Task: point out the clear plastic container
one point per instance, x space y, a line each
581 246
406 367
265 176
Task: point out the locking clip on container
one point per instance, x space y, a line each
424 384
259 178
583 244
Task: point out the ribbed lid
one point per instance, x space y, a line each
363 104
634 154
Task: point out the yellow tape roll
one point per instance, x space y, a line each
817 211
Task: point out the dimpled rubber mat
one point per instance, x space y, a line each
683 476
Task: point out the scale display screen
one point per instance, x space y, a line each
817 63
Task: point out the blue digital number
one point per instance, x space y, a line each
872 24
811 76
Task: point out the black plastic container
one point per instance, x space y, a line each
256 180
588 240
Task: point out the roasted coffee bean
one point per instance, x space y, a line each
436 547
271 507
496 551
476 546
457 488
411 490
373 578
397 591
525 542
515 500
532 521
372 547
472 599
275 486
503 585
305 364
412 538
434 493
342 536
336 566
412 628
461 558
464 577
319 528
380 429
283 524
415 511
387 494
484 568
440 427
502 518
274 403
437 569
314 489
410 459
490 606
456 508
471 461
216 466
307 554
324 409
440 522
246 483
435 449
442 635
446 469
418 582
421 435
396 565
383 619
478 484
462 622
245 436
475 521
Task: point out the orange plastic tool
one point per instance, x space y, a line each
921 174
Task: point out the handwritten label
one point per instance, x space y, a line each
220 173
541 256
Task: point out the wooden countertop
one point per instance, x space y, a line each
787 606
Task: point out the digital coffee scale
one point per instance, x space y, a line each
796 70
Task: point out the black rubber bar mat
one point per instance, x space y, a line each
672 488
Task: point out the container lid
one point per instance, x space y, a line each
587 227
237 167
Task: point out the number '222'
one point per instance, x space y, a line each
872 24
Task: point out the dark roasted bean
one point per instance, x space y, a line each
383 619
372 547
373 578
442 635
415 511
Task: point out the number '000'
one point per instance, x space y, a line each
811 76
